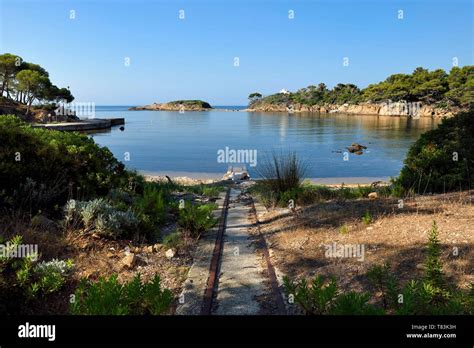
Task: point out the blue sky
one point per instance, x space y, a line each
193 58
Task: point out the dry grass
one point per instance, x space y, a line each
396 235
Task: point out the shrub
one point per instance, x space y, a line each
367 218
431 164
196 219
58 164
172 240
325 298
99 216
429 296
433 267
281 173
109 297
152 203
23 280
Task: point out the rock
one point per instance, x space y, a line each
141 260
170 253
157 247
356 148
373 195
148 249
129 260
42 222
177 105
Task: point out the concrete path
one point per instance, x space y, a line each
241 279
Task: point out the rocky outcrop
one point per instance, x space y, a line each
379 109
179 105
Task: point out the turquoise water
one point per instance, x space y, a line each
173 143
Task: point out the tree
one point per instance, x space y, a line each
253 97
31 84
9 65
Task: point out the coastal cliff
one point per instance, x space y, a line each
422 93
377 109
177 105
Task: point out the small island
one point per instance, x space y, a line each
177 105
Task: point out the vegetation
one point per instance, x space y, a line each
281 176
24 279
197 103
308 193
430 87
442 159
27 82
109 297
430 296
196 219
41 169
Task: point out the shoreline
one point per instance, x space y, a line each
208 178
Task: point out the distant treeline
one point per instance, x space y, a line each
430 87
26 82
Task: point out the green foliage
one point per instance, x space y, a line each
433 267
367 218
26 82
99 216
430 296
109 297
152 203
197 103
24 280
344 229
172 240
196 219
442 159
282 175
325 298
51 164
430 87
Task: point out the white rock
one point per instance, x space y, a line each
170 253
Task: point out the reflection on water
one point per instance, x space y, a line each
160 141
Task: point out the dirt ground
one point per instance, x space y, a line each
298 240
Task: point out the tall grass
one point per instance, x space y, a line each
281 173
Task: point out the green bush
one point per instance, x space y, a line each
325 298
99 216
172 240
24 280
442 159
282 174
109 297
430 296
52 165
152 203
196 219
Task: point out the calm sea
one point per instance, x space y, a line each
187 143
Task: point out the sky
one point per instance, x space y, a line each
195 58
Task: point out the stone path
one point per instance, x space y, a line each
241 279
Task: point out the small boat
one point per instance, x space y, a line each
238 173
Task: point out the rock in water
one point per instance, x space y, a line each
356 148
